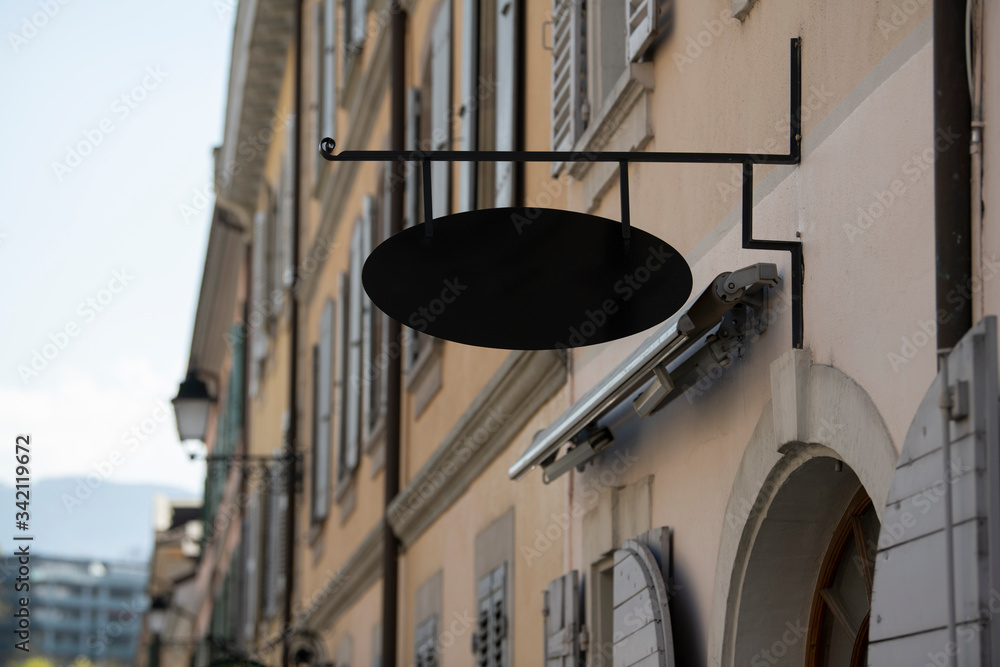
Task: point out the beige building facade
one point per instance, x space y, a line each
739 497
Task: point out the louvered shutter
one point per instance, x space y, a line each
569 72
441 108
909 610
368 346
470 107
489 643
641 17
252 543
328 118
562 621
343 361
354 385
412 209
425 644
288 204
381 365
642 625
277 511
506 98
359 17
324 398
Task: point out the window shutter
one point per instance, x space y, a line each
489 643
343 361
562 621
506 98
276 510
412 212
367 315
359 17
288 205
252 571
324 397
381 362
470 106
353 385
909 599
425 644
641 18
569 72
258 341
441 108
328 104
642 625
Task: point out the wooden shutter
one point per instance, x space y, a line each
642 625
425 644
354 385
328 104
368 346
489 643
288 201
569 72
277 510
441 108
470 104
562 621
909 608
506 98
641 17
252 544
412 209
324 422
343 361
359 17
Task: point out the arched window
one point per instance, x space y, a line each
838 623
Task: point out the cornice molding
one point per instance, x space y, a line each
523 384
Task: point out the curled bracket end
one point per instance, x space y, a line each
326 146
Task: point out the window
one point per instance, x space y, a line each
326 74
491 101
421 362
838 624
322 417
277 511
355 336
425 644
594 43
354 28
490 641
375 376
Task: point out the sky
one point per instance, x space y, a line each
109 113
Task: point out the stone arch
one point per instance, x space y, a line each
816 418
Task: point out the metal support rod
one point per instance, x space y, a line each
795 102
623 180
425 167
793 247
949 536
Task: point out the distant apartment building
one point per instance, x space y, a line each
82 608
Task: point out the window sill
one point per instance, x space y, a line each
624 123
423 379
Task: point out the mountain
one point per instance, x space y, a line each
70 518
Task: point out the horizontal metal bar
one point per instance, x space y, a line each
553 156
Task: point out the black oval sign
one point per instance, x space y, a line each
526 279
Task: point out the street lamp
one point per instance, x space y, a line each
191 407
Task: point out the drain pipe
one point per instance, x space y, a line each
291 445
390 549
952 174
